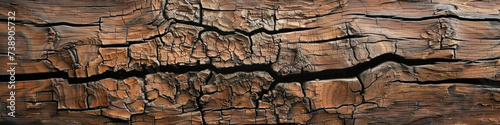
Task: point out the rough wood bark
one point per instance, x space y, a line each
253 62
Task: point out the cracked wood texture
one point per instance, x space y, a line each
253 62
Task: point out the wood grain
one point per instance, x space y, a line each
253 62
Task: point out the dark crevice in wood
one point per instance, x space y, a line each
26 22
221 32
198 99
427 17
300 77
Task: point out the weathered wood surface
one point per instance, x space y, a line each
253 62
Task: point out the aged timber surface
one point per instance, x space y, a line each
253 62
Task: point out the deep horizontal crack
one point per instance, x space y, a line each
50 24
426 17
353 71
304 76
221 32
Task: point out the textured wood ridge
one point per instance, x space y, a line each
253 62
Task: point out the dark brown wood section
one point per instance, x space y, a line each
252 62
